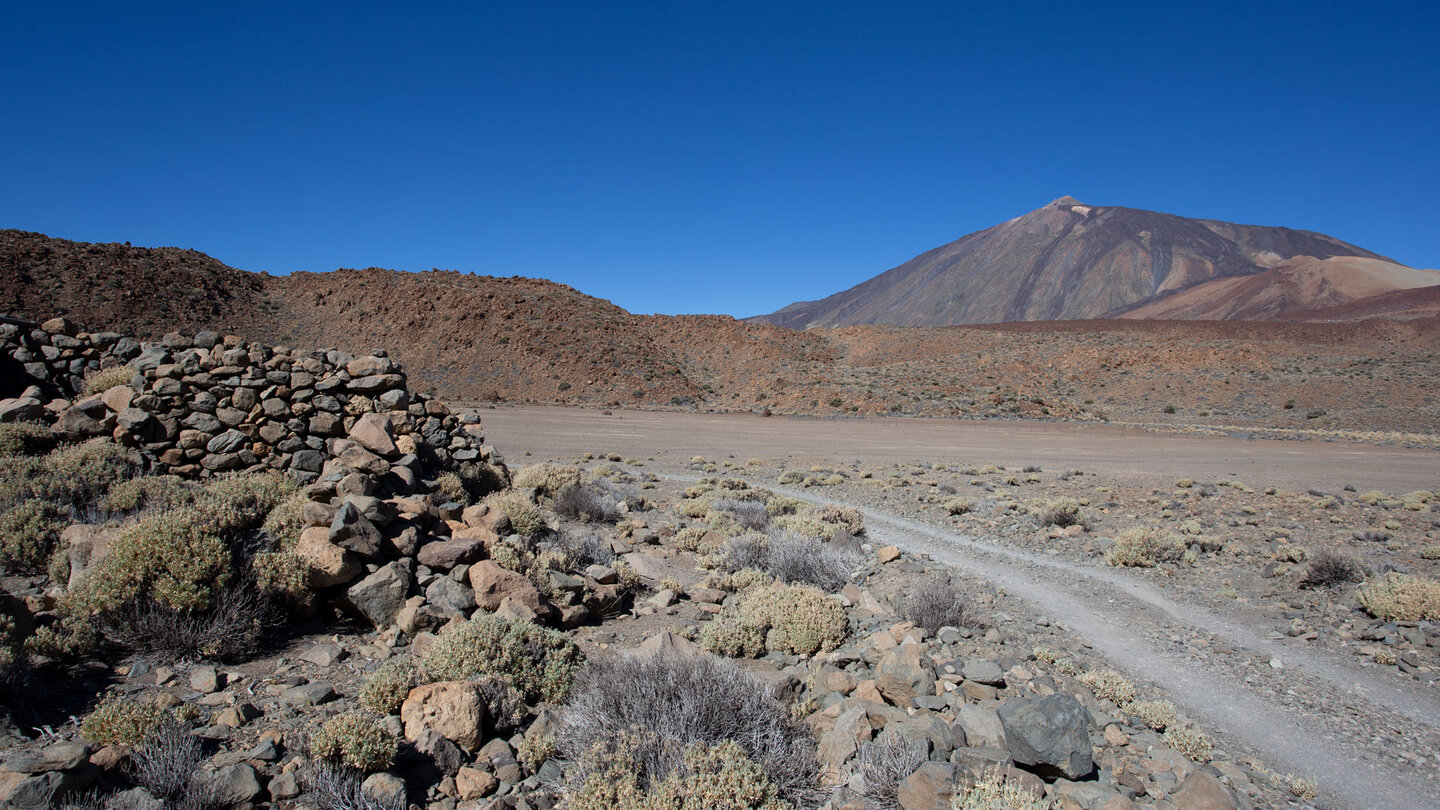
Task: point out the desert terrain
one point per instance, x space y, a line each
1235 636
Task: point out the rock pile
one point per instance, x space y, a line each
215 403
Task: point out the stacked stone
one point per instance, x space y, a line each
216 403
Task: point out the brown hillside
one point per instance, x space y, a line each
525 340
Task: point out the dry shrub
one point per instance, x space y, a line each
1190 741
1401 597
387 689
1157 714
331 786
28 535
122 721
230 628
749 516
677 718
587 503
934 603
583 549
525 517
1109 685
25 438
1329 568
799 620
883 765
149 492
1145 547
792 559
994 791
167 764
1061 512
541 663
355 739
546 478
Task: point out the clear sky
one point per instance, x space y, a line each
725 157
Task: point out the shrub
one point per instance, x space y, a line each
81 474
504 704
587 503
149 492
1401 597
1109 685
167 763
525 517
281 575
230 628
98 382
681 718
1061 512
1190 741
542 663
177 557
994 791
1329 568
452 487
356 739
959 506
882 765
739 581
478 479
122 721
807 561
285 522
1144 547
586 548
750 516
387 689
28 534
1157 714
935 603
548 479
24 439
799 620
329 786
726 635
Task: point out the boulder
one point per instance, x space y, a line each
352 530
454 709
982 727
329 564
373 432
930 787
493 585
1201 791
379 596
904 674
1049 735
442 555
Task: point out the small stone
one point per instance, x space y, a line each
324 655
888 554
205 680
473 783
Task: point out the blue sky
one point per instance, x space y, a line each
704 157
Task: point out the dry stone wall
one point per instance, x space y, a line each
210 403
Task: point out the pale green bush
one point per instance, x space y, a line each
387 689
795 619
525 517
1145 547
541 663
98 382
122 721
993 791
356 739
25 438
1401 598
28 534
1109 685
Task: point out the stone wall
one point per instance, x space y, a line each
211 403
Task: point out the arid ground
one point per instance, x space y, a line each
1278 669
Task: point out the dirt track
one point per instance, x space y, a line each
1121 453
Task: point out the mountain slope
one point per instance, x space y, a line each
1066 261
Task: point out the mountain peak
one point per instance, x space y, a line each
1066 200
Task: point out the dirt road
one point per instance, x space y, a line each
1122 453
